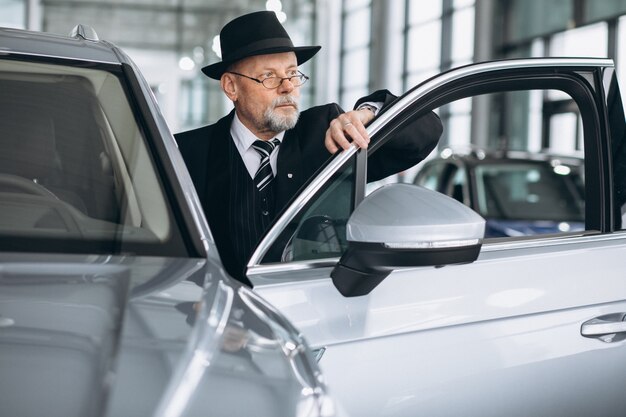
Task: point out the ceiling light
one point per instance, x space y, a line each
186 63
274 6
216 47
281 17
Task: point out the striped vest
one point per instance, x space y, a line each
250 211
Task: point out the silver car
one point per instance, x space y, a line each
112 298
417 312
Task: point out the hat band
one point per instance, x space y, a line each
259 46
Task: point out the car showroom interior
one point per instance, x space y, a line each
312 208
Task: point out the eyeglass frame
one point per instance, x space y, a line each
262 82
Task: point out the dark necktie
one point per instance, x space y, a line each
264 174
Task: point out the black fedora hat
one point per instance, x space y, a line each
258 33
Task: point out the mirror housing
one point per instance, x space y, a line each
403 225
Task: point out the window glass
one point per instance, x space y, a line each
355 68
356 31
13 13
423 55
518 192
423 11
458 186
587 41
355 52
462 36
595 10
527 191
350 5
430 176
76 174
418 77
566 124
531 18
459 126
319 231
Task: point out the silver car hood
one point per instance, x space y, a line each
100 335
61 320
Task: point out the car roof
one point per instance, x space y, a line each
81 46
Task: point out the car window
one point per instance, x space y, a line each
319 231
431 176
527 178
547 195
458 186
76 173
527 192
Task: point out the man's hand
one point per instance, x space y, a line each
349 125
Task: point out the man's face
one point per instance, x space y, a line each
264 111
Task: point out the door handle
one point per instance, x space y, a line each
609 328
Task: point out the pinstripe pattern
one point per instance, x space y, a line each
251 210
264 174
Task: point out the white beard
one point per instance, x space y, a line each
277 122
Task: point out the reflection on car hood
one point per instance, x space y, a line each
510 228
101 335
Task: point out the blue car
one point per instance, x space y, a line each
518 193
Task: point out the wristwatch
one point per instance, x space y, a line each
369 107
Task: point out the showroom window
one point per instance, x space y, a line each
202 102
13 14
448 25
355 51
422 59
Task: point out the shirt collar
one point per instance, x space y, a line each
243 137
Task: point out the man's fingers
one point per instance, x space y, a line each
358 134
337 128
330 143
347 128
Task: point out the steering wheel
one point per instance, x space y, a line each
10 183
62 217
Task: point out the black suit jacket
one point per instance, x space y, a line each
301 154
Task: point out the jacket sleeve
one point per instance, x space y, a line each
407 147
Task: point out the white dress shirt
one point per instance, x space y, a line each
244 139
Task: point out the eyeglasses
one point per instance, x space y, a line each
275 82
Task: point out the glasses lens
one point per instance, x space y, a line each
272 82
298 80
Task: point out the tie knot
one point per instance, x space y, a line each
265 147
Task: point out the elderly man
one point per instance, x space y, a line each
249 164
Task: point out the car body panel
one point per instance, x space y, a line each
499 336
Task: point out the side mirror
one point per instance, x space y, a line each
402 225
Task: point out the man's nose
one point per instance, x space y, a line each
286 86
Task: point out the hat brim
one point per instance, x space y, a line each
303 54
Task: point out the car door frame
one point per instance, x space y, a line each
549 72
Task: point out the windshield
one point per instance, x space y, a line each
76 174
529 191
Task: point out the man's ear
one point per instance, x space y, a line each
228 85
